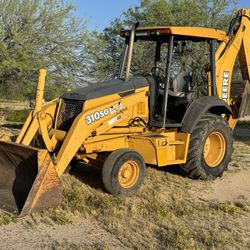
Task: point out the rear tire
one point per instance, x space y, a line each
123 172
210 148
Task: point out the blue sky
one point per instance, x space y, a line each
99 13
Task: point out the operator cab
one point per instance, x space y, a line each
178 63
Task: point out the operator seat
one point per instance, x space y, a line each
154 100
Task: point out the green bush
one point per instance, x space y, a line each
17 116
53 91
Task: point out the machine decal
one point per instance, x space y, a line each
115 119
225 82
102 113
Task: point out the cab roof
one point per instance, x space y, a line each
192 33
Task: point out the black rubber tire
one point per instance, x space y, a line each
112 167
196 167
72 165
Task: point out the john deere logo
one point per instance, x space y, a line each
225 83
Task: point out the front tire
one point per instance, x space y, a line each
210 148
123 172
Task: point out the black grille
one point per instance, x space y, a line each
69 110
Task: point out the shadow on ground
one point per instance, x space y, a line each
92 176
88 175
12 125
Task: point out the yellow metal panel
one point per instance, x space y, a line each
186 31
182 149
31 124
45 123
145 147
131 110
161 149
40 91
46 190
25 127
31 132
77 136
110 144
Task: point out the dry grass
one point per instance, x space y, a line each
17 115
5 219
164 214
64 244
6 104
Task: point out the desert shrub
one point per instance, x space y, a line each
17 115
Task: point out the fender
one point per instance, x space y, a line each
205 104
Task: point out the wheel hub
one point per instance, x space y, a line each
214 149
128 174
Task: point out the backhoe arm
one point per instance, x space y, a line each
244 53
237 43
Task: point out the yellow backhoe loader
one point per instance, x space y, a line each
168 116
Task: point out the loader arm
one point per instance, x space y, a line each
32 123
80 131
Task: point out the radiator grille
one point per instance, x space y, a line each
69 110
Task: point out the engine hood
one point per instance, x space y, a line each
110 87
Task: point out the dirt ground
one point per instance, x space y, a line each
85 234
90 233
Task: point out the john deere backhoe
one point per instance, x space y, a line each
167 116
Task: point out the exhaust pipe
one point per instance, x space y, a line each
130 49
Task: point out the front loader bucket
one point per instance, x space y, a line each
28 179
